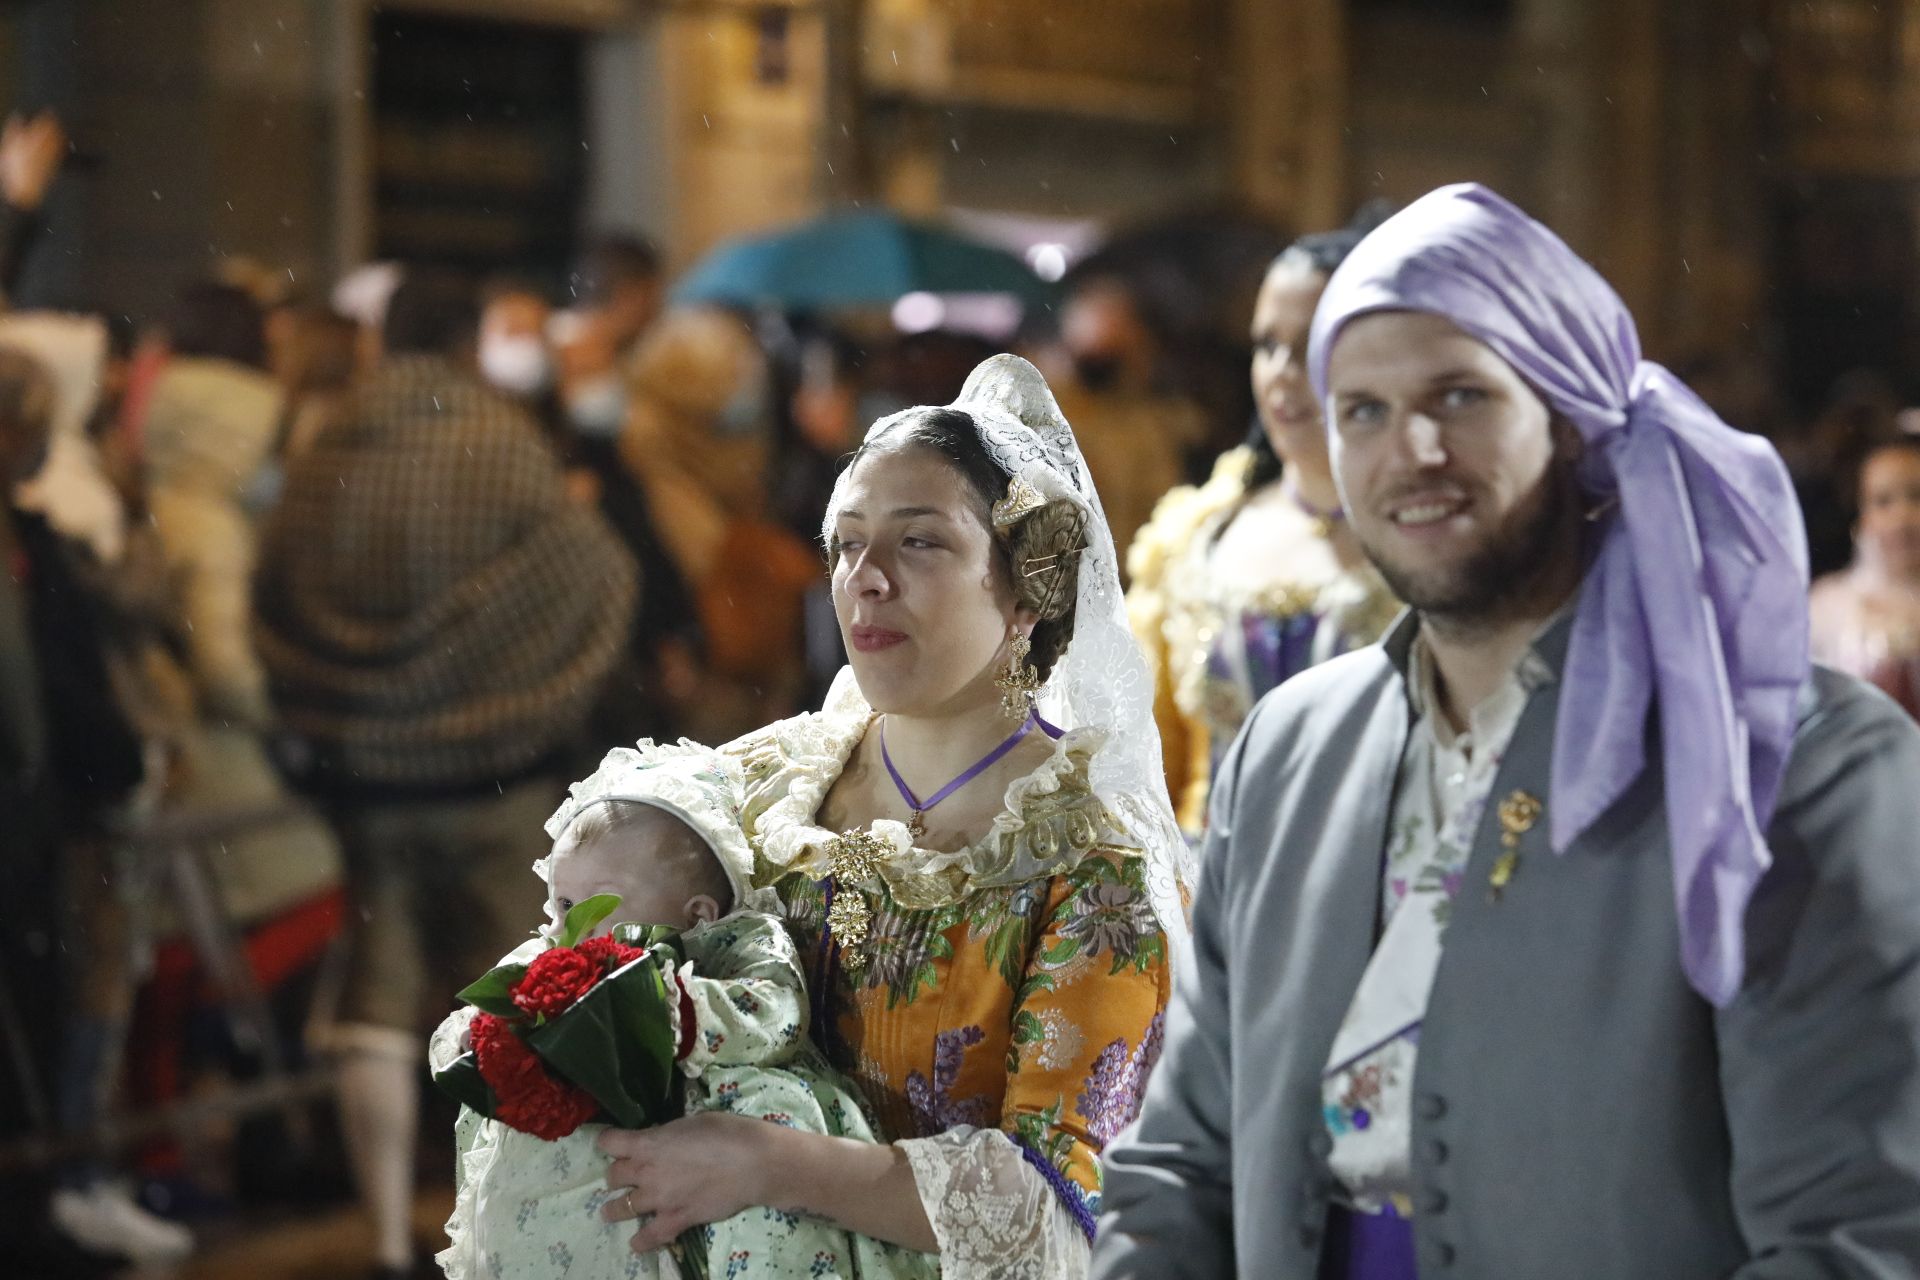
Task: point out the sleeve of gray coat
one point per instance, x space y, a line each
1166 1203
1820 1052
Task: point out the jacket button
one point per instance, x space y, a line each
1430 1106
1433 1200
1436 1151
1443 1254
1314 1190
1320 1143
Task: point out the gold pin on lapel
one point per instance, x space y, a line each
1518 813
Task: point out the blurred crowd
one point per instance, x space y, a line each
318 600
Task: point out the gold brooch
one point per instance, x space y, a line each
852 858
1022 500
1518 813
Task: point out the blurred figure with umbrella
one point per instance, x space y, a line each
855 258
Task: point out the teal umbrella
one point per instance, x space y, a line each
850 259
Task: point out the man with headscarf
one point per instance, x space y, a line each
1673 1030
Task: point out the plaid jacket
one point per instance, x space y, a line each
433 611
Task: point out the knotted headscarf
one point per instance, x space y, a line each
1696 597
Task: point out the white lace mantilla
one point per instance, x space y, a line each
1101 681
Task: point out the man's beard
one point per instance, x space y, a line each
1496 581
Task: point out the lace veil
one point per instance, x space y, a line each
1102 679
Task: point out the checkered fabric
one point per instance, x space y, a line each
432 609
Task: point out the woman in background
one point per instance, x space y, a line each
1252 577
1866 618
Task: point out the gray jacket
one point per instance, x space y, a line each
1579 1110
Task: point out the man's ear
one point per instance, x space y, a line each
1568 444
702 909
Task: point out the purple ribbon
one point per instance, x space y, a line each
974 770
1695 601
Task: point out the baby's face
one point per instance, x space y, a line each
622 863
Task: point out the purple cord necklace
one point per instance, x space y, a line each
1323 519
916 826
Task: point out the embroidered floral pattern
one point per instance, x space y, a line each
1056 1041
1360 1092
1108 914
1111 1100
1110 917
902 952
933 1103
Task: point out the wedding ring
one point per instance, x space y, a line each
628 1198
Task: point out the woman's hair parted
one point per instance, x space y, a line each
1039 556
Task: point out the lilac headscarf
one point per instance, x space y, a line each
1696 598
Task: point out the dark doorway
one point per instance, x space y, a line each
479 128
1847 272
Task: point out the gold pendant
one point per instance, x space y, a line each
1518 813
854 857
917 825
850 921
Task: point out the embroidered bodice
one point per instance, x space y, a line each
1009 999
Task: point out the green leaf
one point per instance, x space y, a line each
653 937
1006 949
1060 952
585 915
1027 1029
461 1081
1036 985
491 991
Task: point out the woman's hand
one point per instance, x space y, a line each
686 1173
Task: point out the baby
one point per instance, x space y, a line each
660 827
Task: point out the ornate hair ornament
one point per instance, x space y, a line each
1022 500
1034 566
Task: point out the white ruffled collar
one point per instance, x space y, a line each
813 751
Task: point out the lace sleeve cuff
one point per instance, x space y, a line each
993 1212
450 1038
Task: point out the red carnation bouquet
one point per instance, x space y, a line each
583 1032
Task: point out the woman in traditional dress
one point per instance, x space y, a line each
1866 618
1252 577
973 843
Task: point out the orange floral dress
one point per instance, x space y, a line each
1006 1004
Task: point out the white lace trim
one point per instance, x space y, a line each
475 1148
450 1038
993 1214
810 751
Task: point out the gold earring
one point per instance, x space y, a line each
1021 681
